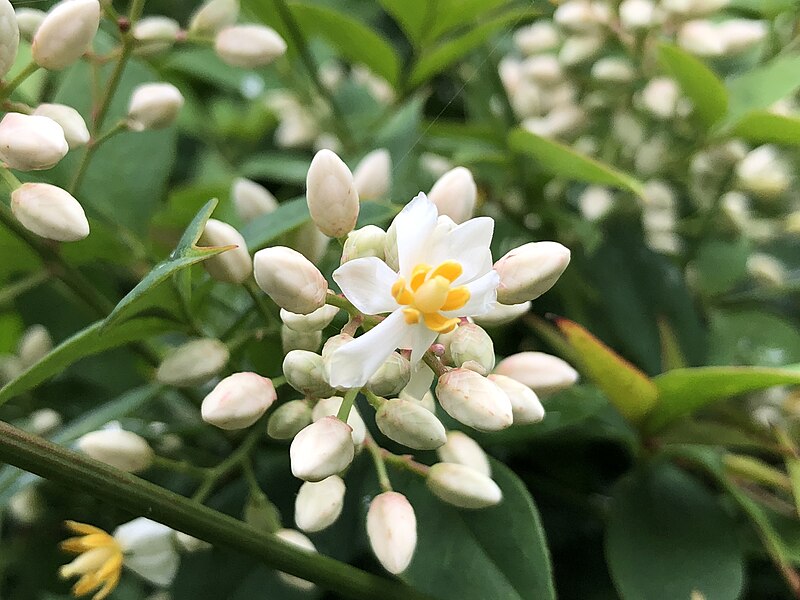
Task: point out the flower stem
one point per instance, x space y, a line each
7 89
179 466
405 463
380 464
347 405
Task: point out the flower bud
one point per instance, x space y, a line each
319 504
28 21
332 344
75 131
462 486
290 279
613 70
473 400
295 538
309 241
44 421
26 506
660 97
595 202
155 34
50 212
693 7
34 345
501 314
31 142
408 423
213 16
249 46
193 363
537 37
391 377
10 368
372 176
576 15
542 69
541 372
463 450
578 49
123 450
251 200
299 340
154 106
314 321
470 343
455 194
329 407
529 271
305 372
525 403
392 530
65 33
638 14
231 266
763 172
331 194
288 420
739 35
9 37
364 242
702 38
322 449
238 401
767 269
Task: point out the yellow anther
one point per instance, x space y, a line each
98 564
429 292
411 315
456 299
418 276
401 293
437 322
449 269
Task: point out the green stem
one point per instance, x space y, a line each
7 89
757 471
258 299
88 154
347 405
141 497
179 466
405 463
9 179
434 363
9 293
380 464
374 400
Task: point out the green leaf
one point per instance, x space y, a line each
668 536
186 254
631 391
762 127
411 15
265 229
698 82
684 391
752 337
563 161
761 87
451 14
497 552
284 167
765 8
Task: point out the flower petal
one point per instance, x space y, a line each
482 296
419 340
367 283
469 244
414 226
149 550
421 379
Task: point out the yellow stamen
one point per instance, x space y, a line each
401 293
437 322
99 561
411 315
456 299
449 269
418 276
429 293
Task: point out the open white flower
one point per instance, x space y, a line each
445 273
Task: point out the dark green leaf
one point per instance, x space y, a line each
266 228
411 15
451 14
283 167
752 337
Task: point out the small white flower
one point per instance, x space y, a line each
149 550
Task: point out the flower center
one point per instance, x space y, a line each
428 292
99 561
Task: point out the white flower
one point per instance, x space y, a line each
445 272
149 550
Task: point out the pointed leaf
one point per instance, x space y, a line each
761 127
762 86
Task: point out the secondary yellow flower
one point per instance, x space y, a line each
98 564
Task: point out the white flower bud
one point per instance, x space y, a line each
322 449
123 450
702 38
331 194
332 344
739 35
238 401
154 106
249 46
44 421
309 241
65 33
26 506
501 314
305 372
329 407
576 15
541 372
231 266
529 271
193 363
660 97
318 504
463 450
28 21
392 530
767 269
251 200
510 71
50 212
462 486
471 344
299 340
473 400
595 202
525 403
361 243
537 37
638 14
10 368
9 37
314 321
155 34
379 88
31 142
373 175
543 69
409 423
563 120
75 131
580 48
391 377
613 70
295 538
288 419
214 15
34 345
455 194
290 279
693 7
763 172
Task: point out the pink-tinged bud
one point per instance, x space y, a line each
471 347
322 449
473 400
455 194
75 131
193 363
290 279
373 175
305 372
462 486
541 372
314 321
34 345
288 420
463 450
31 142
391 377
231 266
409 423
501 314
251 200
238 401
50 212
249 46
65 33
28 21
300 340
297 539
213 16
155 34
123 450
331 194
319 504
154 106
364 242
392 530
529 271
524 402
9 37
329 407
